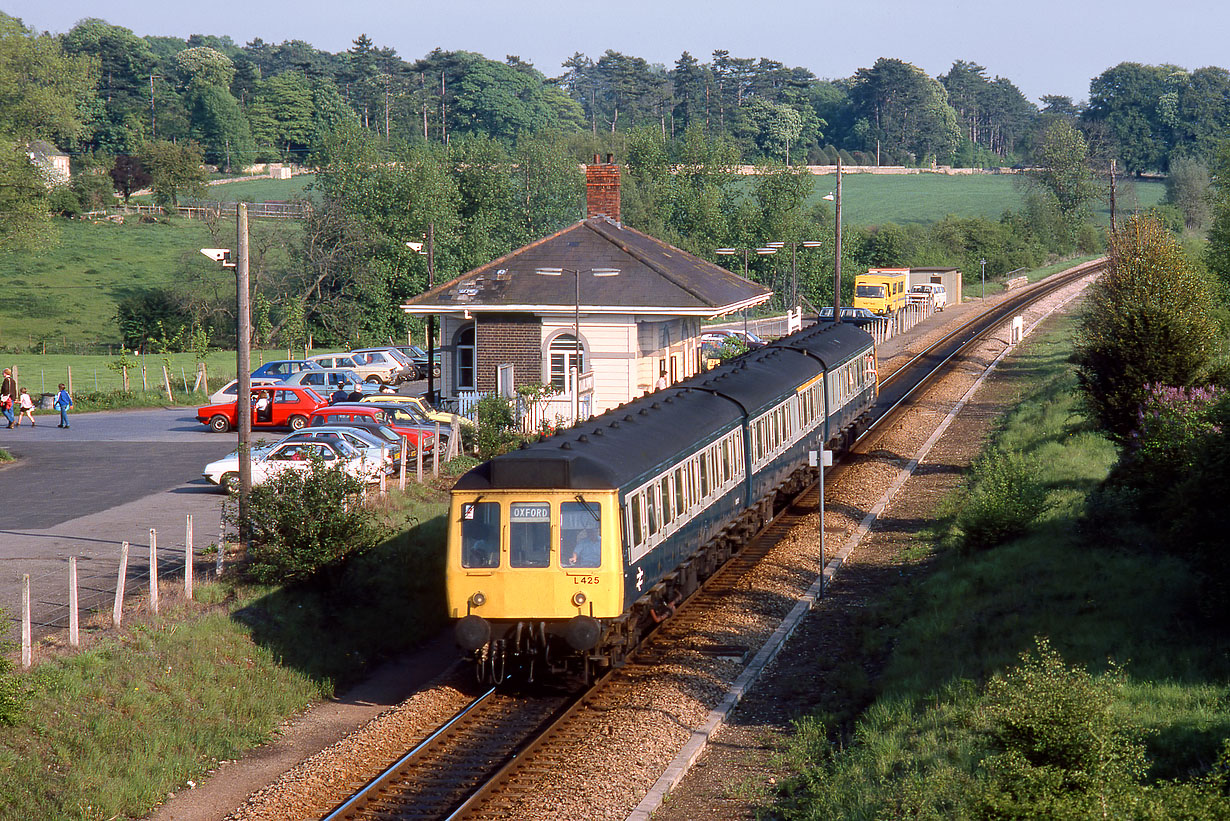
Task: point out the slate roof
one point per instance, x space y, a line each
654 278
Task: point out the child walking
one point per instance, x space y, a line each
27 408
63 402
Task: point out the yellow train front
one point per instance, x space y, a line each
533 574
565 553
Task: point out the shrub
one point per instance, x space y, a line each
10 686
304 523
494 433
1172 426
1063 752
1003 500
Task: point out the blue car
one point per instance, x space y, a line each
282 368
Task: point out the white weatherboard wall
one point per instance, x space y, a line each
608 349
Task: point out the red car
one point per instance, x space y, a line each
273 406
345 413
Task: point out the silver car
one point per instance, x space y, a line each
383 365
326 381
366 442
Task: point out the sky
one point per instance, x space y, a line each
1043 46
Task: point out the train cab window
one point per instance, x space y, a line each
529 534
579 539
480 534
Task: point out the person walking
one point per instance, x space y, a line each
27 408
8 395
63 402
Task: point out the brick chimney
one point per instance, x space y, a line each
602 188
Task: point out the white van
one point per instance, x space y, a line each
929 291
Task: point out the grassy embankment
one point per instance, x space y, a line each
109 731
924 747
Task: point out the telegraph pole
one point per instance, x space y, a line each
431 318
243 406
837 252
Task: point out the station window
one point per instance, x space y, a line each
529 534
480 534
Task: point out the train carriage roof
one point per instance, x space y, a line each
625 445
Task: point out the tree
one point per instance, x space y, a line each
1217 251
174 169
1138 103
129 175
204 66
1149 320
1063 170
125 64
906 110
1187 188
774 127
220 127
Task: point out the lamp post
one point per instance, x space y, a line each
764 251
794 267
430 253
243 359
576 322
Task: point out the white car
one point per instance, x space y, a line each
295 455
929 291
230 391
333 360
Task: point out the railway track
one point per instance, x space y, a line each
491 756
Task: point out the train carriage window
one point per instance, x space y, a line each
635 528
664 492
680 498
725 461
704 477
480 534
580 534
651 509
529 534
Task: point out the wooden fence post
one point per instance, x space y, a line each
144 378
188 558
383 486
74 618
153 570
401 474
124 368
70 380
117 610
26 642
418 457
435 454
166 380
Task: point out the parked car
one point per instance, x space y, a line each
294 455
383 365
344 413
857 316
282 368
368 443
417 403
929 291
326 380
333 360
718 337
409 414
374 430
230 391
285 406
418 357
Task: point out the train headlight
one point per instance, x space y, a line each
478 599
578 598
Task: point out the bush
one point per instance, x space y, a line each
10 686
1003 500
494 432
305 523
1063 752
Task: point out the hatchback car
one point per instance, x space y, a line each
855 316
383 365
368 443
333 360
418 357
230 391
294 455
273 406
416 433
327 380
282 368
416 403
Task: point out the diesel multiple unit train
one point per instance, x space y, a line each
564 553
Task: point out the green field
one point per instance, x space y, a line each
261 190
870 199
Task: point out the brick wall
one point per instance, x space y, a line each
505 339
602 189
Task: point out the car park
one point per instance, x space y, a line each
383 366
282 368
368 443
285 406
399 420
230 391
409 414
856 316
333 360
417 403
327 380
294 454
373 430
933 291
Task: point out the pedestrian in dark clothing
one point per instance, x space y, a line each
338 395
8 395
63 402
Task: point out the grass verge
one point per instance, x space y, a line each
933 744
109 731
